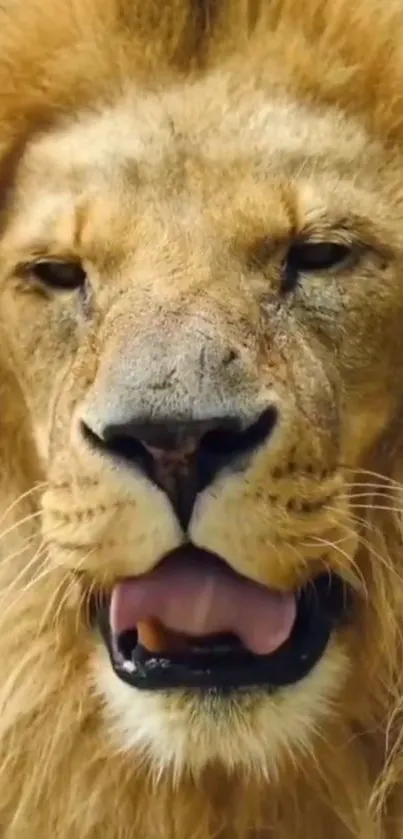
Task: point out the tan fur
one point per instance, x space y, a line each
176 149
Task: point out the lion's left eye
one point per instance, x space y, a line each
318 256
57 274
309 257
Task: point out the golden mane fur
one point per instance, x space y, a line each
60 775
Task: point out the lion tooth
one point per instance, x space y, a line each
128 666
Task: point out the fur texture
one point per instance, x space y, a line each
176 152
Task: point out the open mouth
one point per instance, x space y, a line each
193 622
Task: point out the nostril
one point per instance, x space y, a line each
222 447
229 442
90 436
123 446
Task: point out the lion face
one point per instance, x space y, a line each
202 294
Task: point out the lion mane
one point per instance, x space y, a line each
60 775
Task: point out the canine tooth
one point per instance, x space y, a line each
152 636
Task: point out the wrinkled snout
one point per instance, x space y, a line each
179 404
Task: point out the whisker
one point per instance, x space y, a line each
377 507
71 582
66 578
26 568
49 569
17 524
4 560
356 495
350 562
334 542
370 548
372 484
23 497
370 473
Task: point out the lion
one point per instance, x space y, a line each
201 437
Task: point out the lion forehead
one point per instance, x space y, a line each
202 118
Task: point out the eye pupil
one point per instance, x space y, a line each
59 275
308 257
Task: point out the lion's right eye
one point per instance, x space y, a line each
315 257
64 276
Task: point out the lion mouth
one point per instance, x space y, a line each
193 622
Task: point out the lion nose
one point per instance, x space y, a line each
182 457
180 405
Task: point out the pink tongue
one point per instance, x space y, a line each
201 598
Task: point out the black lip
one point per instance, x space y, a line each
323 604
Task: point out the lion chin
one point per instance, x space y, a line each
201 448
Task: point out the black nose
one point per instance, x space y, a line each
182 458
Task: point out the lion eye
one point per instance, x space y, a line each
309 257
57 274
318 256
